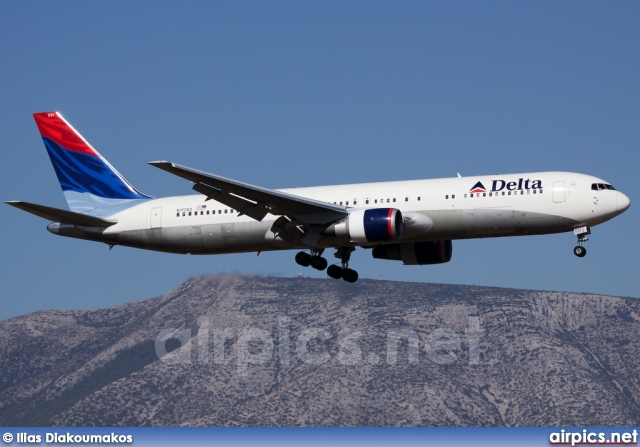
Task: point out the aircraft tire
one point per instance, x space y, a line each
318 262
303 259
350 275
580 251
335 271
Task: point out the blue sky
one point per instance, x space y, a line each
285 94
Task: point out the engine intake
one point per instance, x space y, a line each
416 253
371 225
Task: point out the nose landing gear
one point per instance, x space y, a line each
582 233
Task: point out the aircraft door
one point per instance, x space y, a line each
558 191
156 218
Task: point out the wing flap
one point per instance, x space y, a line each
255 200
62 216
251 209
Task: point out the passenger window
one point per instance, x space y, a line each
346 203
366 202
406 199
453 196
418 198
394 200
484 194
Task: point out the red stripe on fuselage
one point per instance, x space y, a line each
51 125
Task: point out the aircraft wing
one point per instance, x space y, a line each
255 201
62 216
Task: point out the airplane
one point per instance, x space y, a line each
411 221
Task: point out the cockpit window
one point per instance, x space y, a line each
601 186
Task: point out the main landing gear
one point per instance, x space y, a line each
344 272
315 260
582 233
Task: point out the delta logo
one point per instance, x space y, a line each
478 187
499 185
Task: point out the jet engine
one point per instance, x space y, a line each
416 253
371 225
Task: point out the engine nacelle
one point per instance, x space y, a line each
416 253
371 225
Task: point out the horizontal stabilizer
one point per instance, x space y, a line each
62 216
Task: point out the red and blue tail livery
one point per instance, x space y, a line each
88 180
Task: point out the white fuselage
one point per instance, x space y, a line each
503 205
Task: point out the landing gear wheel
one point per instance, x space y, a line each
335 271
303 259
318 262
580 251
350 275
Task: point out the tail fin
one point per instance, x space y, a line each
88 180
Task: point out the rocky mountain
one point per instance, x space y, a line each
242 350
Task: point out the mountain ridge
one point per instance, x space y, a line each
244 350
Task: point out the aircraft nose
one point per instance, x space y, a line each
622 202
